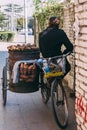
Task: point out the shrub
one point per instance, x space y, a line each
6 36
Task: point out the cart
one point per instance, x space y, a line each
21 86
50 82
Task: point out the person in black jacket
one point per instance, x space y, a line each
51 40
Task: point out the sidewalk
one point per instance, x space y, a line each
28 112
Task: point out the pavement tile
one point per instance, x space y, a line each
28 112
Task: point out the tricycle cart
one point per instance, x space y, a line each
22 86
48 77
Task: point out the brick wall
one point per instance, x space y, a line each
69 17
81 63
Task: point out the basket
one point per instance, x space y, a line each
16 55
24 87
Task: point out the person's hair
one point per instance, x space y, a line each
51 20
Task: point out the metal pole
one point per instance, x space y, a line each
25 21
12 17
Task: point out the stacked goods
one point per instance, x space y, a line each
22 52
22 47
28 72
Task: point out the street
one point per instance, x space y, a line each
18 39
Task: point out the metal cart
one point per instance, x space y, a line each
21 86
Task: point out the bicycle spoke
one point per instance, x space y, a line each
59 104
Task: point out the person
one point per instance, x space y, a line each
51 40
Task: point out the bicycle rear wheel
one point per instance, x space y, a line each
59 104
45 92
45 89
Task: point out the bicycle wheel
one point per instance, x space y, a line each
45 89
59 104
4 85
45 92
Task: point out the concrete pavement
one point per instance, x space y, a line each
28 112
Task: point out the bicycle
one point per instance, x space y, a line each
51 86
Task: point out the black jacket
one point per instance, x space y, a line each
51 44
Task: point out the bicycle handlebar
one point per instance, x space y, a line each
50 58
60 56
